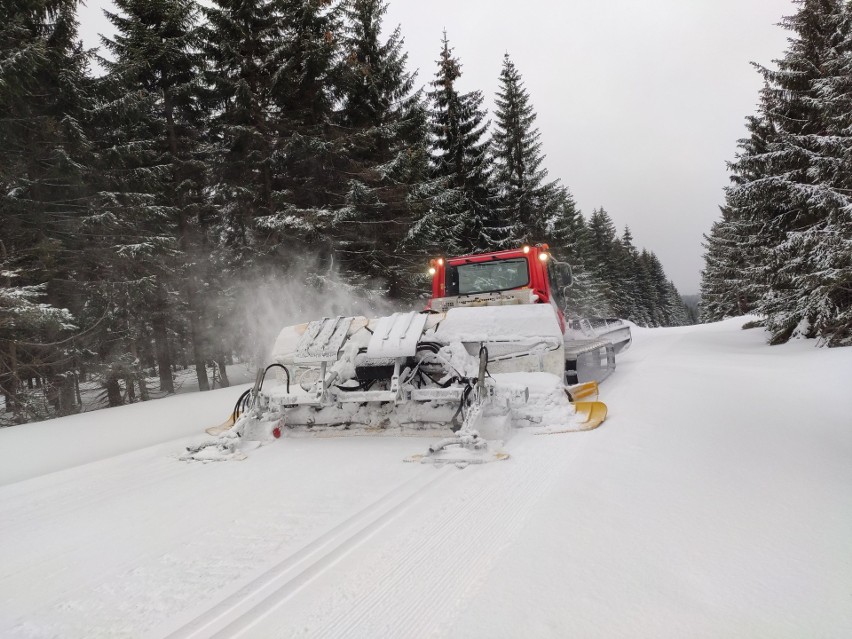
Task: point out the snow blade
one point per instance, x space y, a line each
588 416
583 391
221 428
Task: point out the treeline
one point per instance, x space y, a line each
783 247
234 145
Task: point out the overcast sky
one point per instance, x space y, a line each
640 102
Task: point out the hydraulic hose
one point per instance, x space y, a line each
282 367
245 400
240 406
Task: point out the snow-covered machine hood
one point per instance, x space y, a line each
478 324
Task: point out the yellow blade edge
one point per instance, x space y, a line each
590 414
584 391
221 428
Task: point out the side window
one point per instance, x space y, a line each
452 281
556 287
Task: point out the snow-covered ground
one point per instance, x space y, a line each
716 501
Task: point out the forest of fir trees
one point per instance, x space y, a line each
783 246
152 191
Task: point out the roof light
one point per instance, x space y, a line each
440 261
526 249
542 257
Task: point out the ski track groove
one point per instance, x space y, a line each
36 523
471 532
114 583
79 493
170 586
244 607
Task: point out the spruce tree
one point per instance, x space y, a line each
462 218
734 278
664 311
153 181
248 83
601 247
796 174
595 288
723 279
569 242
384 157
679 313
241 41
828 281
44 166
566 229
526 198
645 294
627 268
307 44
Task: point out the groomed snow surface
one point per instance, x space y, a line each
716 501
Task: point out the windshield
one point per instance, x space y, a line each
487 277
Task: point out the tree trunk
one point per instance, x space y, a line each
223 373
114 392
130 384
195 313
161 346
219 355
8 382
67 395
138 373
196 331
143 387
12 387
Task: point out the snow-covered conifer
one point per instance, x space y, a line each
798 179
45 166
152 179
525 196
241 39
383 154
734 276
305 40
627 268
461 218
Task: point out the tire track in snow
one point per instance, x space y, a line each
266 592
427 576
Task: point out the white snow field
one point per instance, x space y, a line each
716 501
